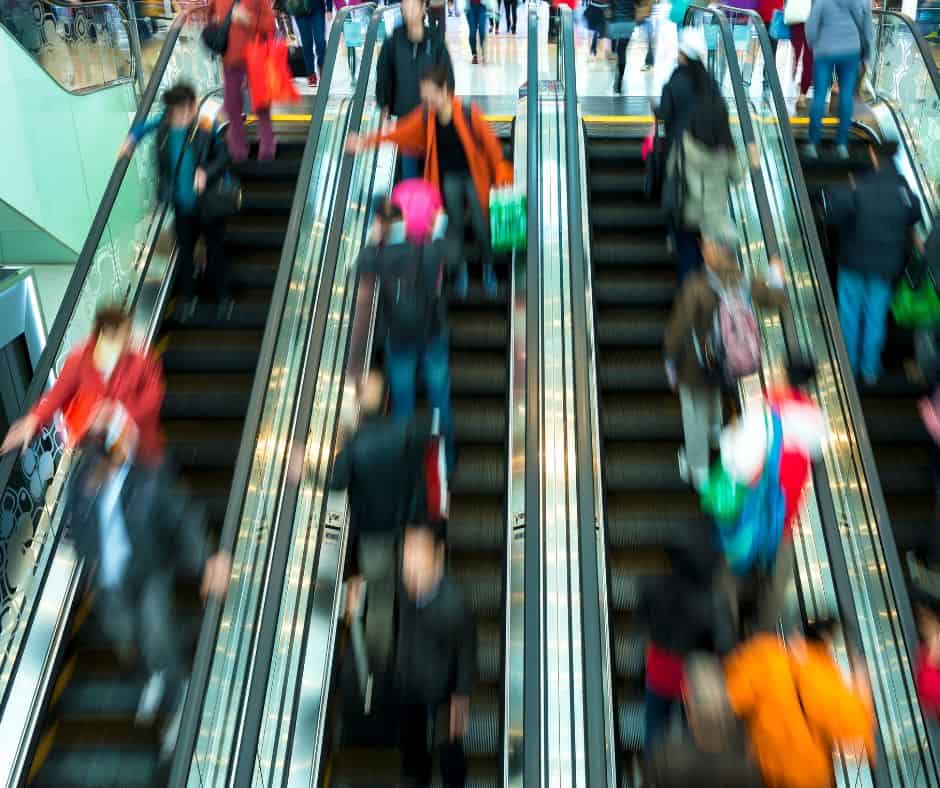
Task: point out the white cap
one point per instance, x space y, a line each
692 43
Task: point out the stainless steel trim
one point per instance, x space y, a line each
514 636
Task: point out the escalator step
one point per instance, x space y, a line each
482 584
101 697
100 768
476 523
195 350
194 396
632 328
478 373
636 370
607 152
618 182
249 312
479 420
205 444
629 653
480 470
631 724
281 169
489 653
643 467
625 287
267 198
893 420
252 232
617 251
247 274
627 214
643 522
640 417
471 330
211 487
484 731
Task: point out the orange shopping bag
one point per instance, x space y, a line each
269 77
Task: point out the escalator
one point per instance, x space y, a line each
648 505
476 539
90 737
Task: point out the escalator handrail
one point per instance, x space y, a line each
532 676
267 630
838 564
596 755
929 63
202 664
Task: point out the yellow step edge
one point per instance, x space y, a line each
637 119
307 117
42 752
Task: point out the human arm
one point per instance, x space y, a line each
410 132
342 468
143 404
867 30
137 133
503 174
813 25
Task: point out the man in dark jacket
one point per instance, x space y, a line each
689 81
412 316
140 531
435 661
190 157
875 215
409 53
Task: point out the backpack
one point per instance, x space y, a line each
410 296
430 496
750 542
731 349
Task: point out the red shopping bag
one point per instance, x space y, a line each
269 76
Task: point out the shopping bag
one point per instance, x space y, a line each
269 77
722 497
916 306
779 30
420 204
507 219
677 12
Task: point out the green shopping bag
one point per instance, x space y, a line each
916 306
507 219
721 496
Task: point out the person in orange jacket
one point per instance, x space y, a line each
462 157
797 707
250 19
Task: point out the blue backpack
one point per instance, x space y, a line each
751 541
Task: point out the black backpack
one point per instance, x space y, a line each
411 295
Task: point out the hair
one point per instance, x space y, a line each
180 95
709 123
440 75
801 371
110 318
701 79
822 630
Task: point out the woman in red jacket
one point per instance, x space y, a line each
250 19
105 385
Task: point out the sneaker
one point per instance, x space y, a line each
172 730
842 152
150 699
647 67
809 151
474 60
618 87
870 381
313 80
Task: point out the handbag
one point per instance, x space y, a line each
655 164
916 305
678 11
721 496
778 27
796 12
674 188
269 76
215 34
508 219
221 199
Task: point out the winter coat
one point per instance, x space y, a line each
833 28
875 220
166 529
240 35
797 709
676 105
136 382
380 465
693 313
709 175
387 261
208 149
417 133
401 65
436 646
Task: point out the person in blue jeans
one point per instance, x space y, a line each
875 216
312 29
476 19
839 32
413 328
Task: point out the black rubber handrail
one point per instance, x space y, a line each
925 49
202 666
532 676
268 627
852 402
596 755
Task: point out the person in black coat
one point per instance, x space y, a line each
622 22
435 660
190 157
403 59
